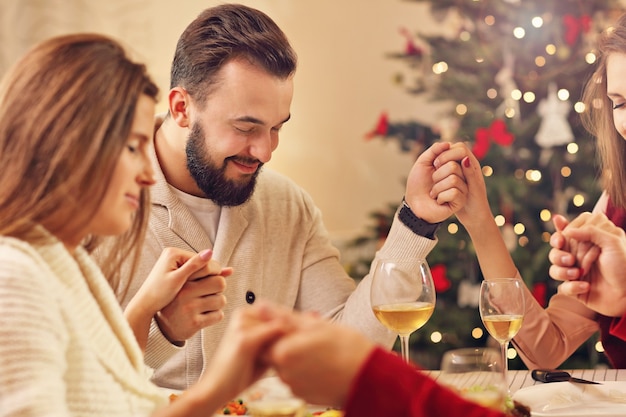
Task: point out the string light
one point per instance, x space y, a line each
579 107
529 97
500 220
511 353
453 228
578 200
599 347
590 58
545 215
440 67
533 175
572 148
519 32
436 337
566 171
477 333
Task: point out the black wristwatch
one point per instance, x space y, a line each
417 225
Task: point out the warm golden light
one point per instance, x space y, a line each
566 171
578 200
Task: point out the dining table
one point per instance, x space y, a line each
565 399
521 378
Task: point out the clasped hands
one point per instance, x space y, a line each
589 256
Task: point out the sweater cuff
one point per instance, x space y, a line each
158 349
402 242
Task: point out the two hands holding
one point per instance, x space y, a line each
589 255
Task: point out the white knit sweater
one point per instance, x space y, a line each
65 346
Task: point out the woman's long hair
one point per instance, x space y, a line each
66 111
598 116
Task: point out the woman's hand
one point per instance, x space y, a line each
199 278
603 255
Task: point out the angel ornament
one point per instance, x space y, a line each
554 129
504 78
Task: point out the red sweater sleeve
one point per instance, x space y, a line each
618 327
386 386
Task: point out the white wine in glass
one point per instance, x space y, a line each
402 296
502 311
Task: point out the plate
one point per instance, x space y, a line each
566 399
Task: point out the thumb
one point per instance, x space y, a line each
429 155
560 222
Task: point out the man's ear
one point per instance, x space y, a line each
179 103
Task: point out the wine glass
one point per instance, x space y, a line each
476 374
502 311
402 296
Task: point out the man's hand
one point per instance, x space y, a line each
195 292
436 187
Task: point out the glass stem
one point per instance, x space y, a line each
404 342
505 363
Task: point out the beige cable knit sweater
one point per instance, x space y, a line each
66 348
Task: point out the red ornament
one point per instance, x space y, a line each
442 283
540 293
496 132
411 47
574 26
381 127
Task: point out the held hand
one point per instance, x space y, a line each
570 258
606 292
239 359
436 188
476 211
319 360
171 272
198 298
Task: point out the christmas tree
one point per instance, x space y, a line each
512 72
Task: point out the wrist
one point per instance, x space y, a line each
164 330
418 225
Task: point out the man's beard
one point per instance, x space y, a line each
211 178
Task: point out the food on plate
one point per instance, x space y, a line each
235 408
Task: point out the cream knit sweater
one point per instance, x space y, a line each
65 346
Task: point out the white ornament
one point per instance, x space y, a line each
468 294
554 129
504 78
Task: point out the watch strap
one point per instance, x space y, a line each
418 226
